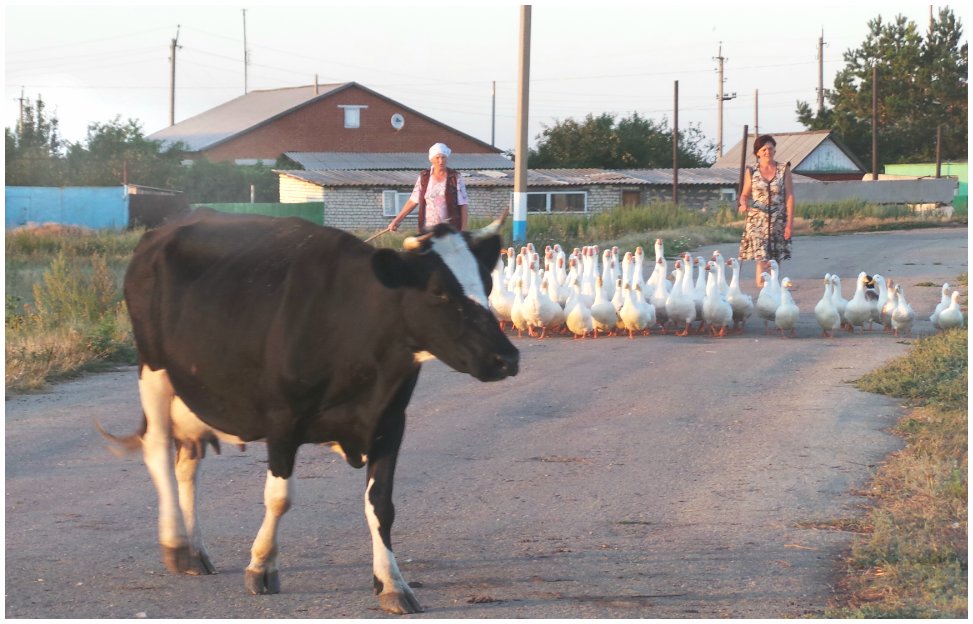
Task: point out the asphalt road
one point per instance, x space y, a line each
613 478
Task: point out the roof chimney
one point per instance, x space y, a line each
316 90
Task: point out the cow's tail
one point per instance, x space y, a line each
120 446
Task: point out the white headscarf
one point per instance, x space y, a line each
439 148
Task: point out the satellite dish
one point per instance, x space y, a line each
397 121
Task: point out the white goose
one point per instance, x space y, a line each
577 318
531 307
604 319
858 311
768 300
740 302
825 312
944 300
633 316
516 310
889 307
501 299
785 318
680 306
699 290
903 316
840 303
608 274
952 316
883 297
660 292
555 311
717 311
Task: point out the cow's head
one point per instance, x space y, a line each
444 283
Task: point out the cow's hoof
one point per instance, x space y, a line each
262 581
399 603
176 559
199 564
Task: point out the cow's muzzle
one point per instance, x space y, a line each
500 366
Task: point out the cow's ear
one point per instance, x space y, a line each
392 270
487 251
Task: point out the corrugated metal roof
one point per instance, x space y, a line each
240 114
793 147
315 161
536 178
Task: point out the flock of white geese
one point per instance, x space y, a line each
588 292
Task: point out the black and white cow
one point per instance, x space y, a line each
258 328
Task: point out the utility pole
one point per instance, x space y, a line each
246 59
821 72
520 157
172 77
720 98
756 115
20 120
493 116
675 143
874 122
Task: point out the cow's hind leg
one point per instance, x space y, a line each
394 594
187 473
261 575
156 395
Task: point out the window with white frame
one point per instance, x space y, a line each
352 114
557 201
728 195
393 201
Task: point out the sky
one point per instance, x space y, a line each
93 63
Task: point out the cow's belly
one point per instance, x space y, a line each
186 426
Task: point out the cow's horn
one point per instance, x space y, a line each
493 228
412 243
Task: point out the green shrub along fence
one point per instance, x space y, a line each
311 211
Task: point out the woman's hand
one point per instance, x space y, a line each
787 231
742 208
393 226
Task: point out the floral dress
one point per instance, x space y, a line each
762 240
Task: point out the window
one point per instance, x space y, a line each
352 114
392 202
558 201
728 195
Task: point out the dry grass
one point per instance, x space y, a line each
911 559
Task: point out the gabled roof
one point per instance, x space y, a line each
797 148
412 161
241 114
257 108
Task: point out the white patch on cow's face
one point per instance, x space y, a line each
457 256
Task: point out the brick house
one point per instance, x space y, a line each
336 118
365 200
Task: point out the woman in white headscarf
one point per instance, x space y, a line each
440 194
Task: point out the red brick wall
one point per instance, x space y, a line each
320 127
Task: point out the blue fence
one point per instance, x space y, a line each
92 207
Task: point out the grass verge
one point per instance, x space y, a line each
910 557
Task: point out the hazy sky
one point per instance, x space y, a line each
91 63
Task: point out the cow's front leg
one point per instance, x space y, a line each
394 594
261 575
187 475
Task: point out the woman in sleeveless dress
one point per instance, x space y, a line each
770 220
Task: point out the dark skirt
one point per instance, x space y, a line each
756 244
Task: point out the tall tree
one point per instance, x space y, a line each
117 152
922 84
33 149
631 142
